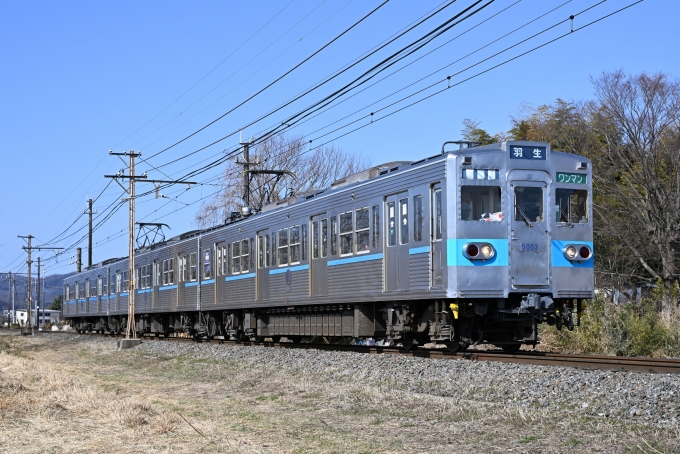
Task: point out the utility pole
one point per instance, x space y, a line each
9 298
79 259
28 250
132 178
37 301
89 241
248 173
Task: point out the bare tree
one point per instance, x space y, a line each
638 170
312 170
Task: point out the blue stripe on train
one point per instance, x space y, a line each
361 258
239 277
291 268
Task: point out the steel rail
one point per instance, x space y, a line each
616 363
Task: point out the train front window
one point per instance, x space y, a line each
571 206
529 204
480 203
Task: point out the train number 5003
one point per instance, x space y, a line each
529 247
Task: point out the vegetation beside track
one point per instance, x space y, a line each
649 328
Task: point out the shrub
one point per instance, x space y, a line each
650 327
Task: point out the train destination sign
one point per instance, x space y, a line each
577 178
524 152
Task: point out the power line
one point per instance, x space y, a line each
275 80
208 73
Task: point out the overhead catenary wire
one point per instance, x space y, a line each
344 32
479 73
208 73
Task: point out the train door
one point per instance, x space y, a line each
396 262
319 253
436 241
263 262
529 228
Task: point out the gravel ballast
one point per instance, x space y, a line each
643 397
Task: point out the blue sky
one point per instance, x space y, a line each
80 78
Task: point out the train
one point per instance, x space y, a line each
473 245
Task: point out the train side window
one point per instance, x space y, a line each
324 237
260 251
105 285
315 239
403 221
362 234
171 271
218 261
418 218
158 267
437 214
529 204
251 260
572 205
480 203
165 272
283 247
118 282
207 265
99 285
266 250
334 235
192 266
245 255
225 260
376 226
303 228
274 248
126 280
236 257
87 287
391 225
346 234
294 244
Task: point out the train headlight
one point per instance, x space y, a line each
479 251
570 252
578 252
487 251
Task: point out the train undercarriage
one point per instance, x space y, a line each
454 323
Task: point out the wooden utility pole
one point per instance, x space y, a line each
89 237
29 249
132 178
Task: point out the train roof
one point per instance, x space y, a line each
350 180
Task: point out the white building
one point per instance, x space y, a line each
50 316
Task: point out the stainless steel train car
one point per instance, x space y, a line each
476 245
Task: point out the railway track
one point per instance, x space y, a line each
620 363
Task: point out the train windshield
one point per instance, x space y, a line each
529 204
480 203
572 206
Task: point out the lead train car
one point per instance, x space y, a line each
478 245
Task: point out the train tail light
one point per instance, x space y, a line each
577 252
479 251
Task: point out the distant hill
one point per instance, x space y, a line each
53 287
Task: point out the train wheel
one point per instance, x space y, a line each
511 349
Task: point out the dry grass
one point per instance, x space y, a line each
89 397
